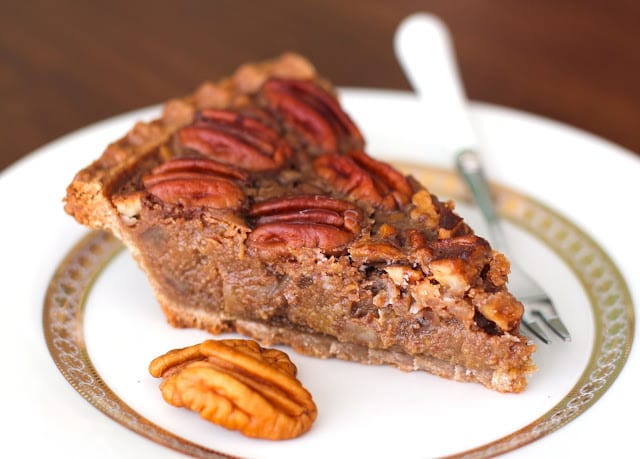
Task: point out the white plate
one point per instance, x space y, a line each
568 215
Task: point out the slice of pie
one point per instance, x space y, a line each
253 206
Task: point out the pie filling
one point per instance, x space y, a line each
253 206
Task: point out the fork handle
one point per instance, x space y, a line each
470 168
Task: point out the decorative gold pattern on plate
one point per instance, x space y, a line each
604 285
63 330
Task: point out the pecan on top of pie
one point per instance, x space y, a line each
254 206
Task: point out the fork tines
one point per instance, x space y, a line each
552 321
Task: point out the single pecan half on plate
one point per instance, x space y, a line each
235 138
361 177
239 385
303 221
196 182
312 112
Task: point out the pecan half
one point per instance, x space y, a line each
304 221
366 251
196 182
361 177
460 247
312 113
238 385
236 139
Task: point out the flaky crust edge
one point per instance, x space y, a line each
88 196
325 346
88 200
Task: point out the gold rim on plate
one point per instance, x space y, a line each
607 292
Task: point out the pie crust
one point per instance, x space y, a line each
253 206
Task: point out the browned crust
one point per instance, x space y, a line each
89 196
325 346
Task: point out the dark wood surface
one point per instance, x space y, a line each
66 64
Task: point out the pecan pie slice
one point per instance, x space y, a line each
253 206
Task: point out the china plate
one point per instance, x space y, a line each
103 326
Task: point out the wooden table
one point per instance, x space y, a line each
67 64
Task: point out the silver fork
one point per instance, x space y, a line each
538 305
425 53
